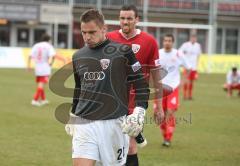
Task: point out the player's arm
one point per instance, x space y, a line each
51 60
77 88
157 75
134 122
136 77
158 89
183 48
69 127
184 63
52 54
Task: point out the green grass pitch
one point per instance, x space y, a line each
207 133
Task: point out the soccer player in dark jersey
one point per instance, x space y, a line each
98 121
146 50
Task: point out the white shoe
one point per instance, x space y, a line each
35 103
44 102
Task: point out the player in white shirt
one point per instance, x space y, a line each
42 54
171 60
232 82
192 50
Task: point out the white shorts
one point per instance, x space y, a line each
100 140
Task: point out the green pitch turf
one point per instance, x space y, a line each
207 133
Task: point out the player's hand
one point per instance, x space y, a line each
133 124
158 114
158 117
70 126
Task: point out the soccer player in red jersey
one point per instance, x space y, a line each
145 48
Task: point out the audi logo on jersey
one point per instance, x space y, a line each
94 76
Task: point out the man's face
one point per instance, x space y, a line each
92 33
193 39
167 43
234 72
128 21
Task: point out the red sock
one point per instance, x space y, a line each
169 128
190 90
37 94
185 90
43 94
163 129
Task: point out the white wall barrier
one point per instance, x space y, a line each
13 57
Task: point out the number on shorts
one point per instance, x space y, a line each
120 153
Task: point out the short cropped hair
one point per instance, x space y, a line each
45 37
193 35
92 15
234 69
169 35
130 7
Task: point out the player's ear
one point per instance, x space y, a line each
105 28
137 19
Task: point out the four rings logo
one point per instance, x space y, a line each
90 76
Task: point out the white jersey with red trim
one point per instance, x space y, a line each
172 61
40 53
191 52
233 79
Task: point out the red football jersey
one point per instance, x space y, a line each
144 47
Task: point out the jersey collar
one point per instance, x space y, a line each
138 31
101 44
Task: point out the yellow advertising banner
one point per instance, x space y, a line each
207 63
218 63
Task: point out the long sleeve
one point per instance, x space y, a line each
77 89
136 77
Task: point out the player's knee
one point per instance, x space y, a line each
40 85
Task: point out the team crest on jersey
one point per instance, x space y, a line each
104 63
135 48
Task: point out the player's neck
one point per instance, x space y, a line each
167 49
130 35
100 43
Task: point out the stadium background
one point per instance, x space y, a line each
208 128
216 23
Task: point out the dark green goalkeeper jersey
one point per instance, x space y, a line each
102 76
